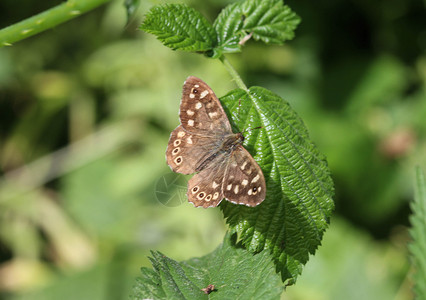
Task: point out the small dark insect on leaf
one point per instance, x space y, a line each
210 288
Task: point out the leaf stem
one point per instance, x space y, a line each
233 73
46 20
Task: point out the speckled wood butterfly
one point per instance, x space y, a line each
204 143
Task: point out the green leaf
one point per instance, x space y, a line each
234 272
298 205
267 20
180 27
418 233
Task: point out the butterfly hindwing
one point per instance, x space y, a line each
244 181
206 188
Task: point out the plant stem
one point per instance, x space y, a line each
47 19
233 73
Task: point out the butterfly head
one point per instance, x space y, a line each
240 138
237 139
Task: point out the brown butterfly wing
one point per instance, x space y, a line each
206 188
244 181
201 111
186 152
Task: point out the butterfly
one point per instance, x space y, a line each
204 144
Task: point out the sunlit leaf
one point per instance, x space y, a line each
267 20
234 272
292 219
180 27
183 28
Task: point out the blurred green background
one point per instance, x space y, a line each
86 110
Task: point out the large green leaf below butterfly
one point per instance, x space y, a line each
291 221
234 272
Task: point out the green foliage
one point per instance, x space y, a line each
80 225
351 265
180 28
269 21
183 28
234 272
296 212
418 233
46 20
292 220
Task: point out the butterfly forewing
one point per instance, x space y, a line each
201 111
244 181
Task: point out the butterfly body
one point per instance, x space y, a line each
205 144
227 145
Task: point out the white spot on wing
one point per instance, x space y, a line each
236 189
189 140
181 134
212 114
190 112
256 178
215 185
195 189
191 122
229 187
178 160
198 105
192 96
244 182
204 93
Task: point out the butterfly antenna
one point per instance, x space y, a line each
250 129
